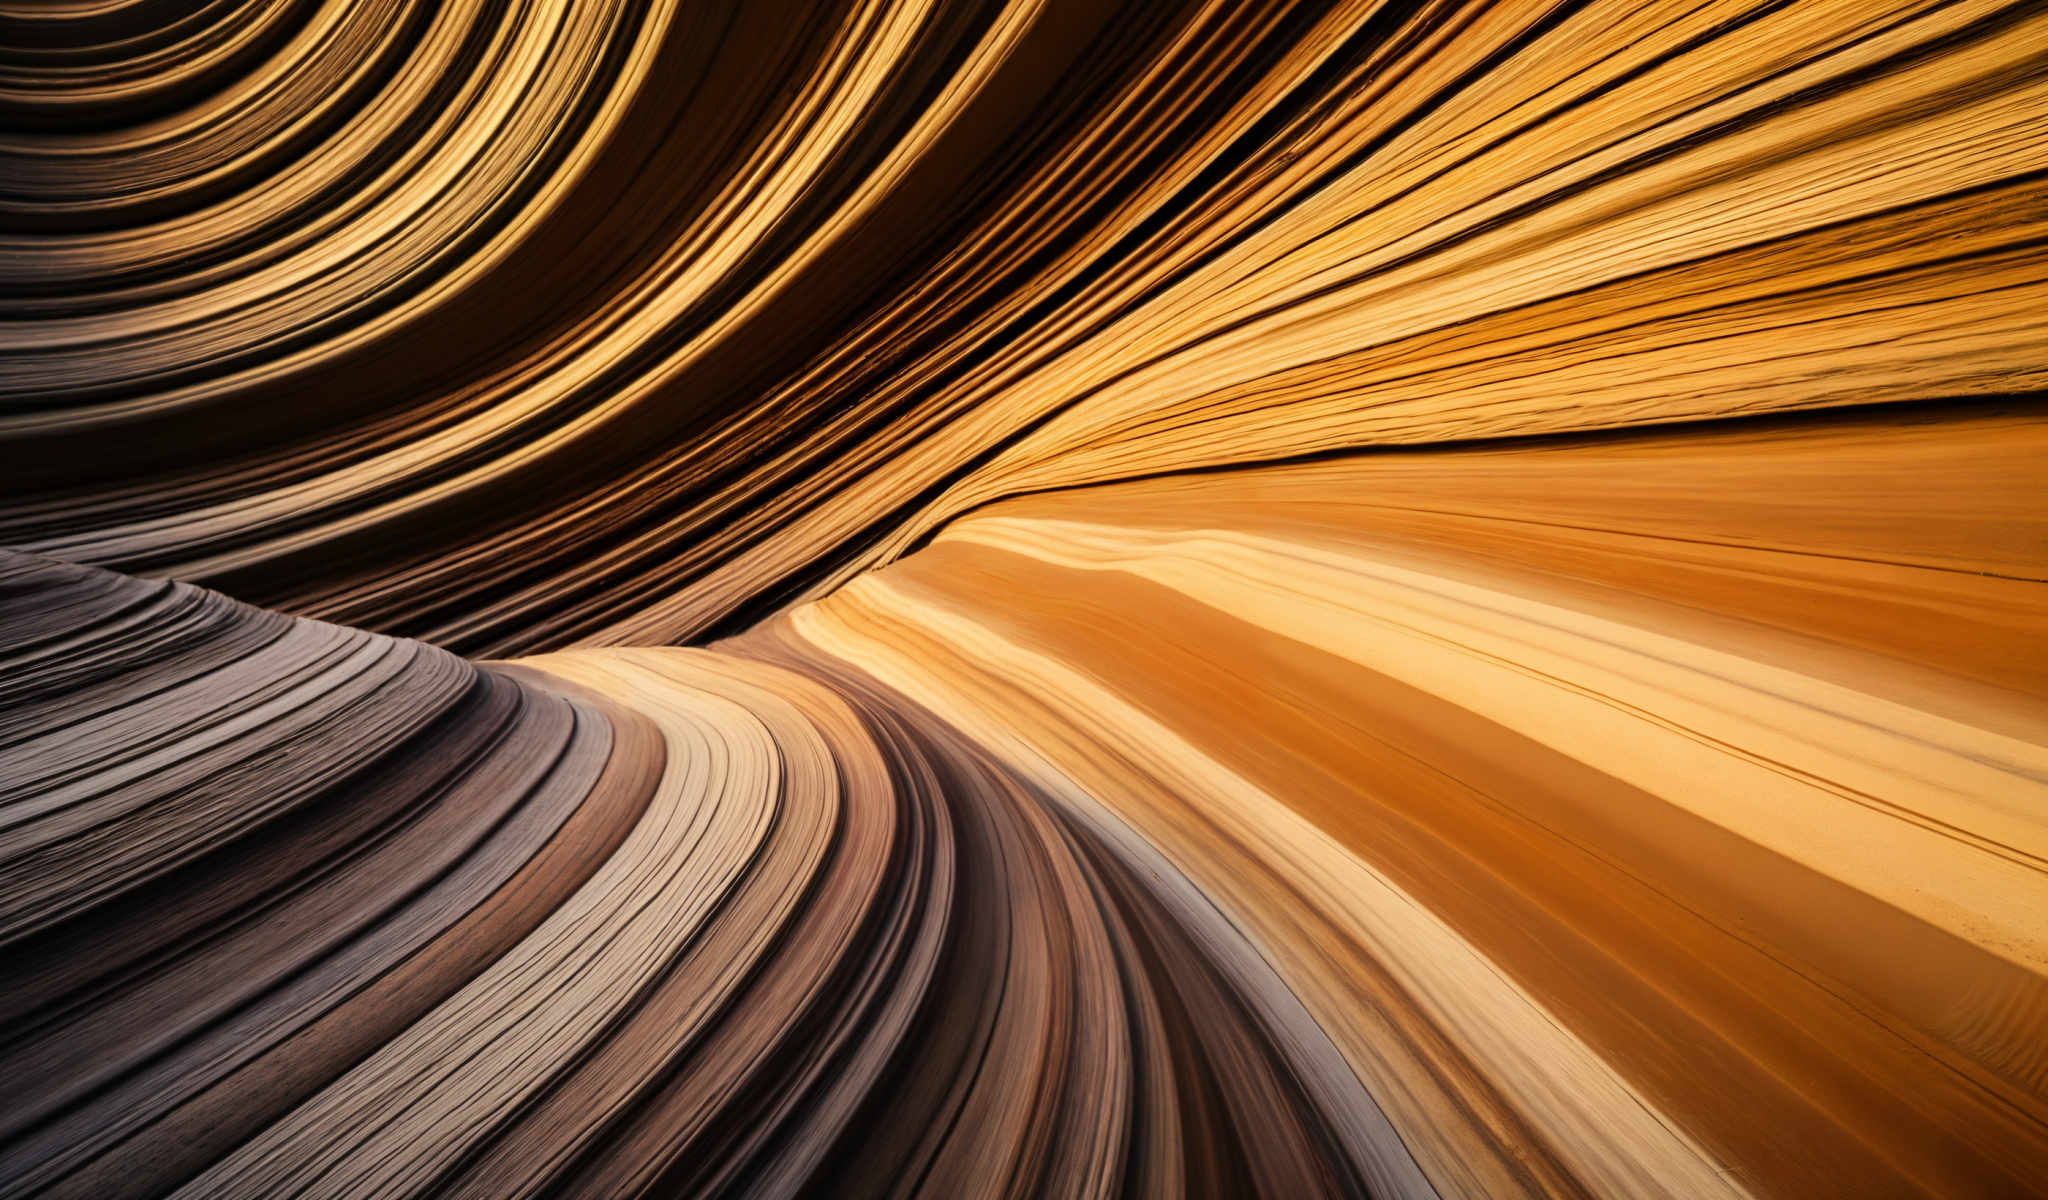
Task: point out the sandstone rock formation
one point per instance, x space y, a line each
1023 598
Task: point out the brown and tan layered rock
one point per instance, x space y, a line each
1059 598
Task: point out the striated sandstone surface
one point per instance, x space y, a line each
1048 598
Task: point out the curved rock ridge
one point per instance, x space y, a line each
1066 598
243 850
1401 825
514 326
660 920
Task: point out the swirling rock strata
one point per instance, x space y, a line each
513 326
1407 824
595 922
1419 599
1609 844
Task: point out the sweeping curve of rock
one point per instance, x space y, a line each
1044 598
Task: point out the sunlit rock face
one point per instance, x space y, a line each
1427 599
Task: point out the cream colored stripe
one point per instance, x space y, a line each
1609 1133
393 1123
1942 819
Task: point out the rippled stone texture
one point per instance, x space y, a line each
605 920
1041 598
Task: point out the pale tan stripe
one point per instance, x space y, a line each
411 1110
1614 1138
1941 819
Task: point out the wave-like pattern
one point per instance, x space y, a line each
503 325
1417 599
598 922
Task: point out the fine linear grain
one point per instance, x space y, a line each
1067 598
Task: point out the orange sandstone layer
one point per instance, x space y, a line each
1328 597
1611 839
